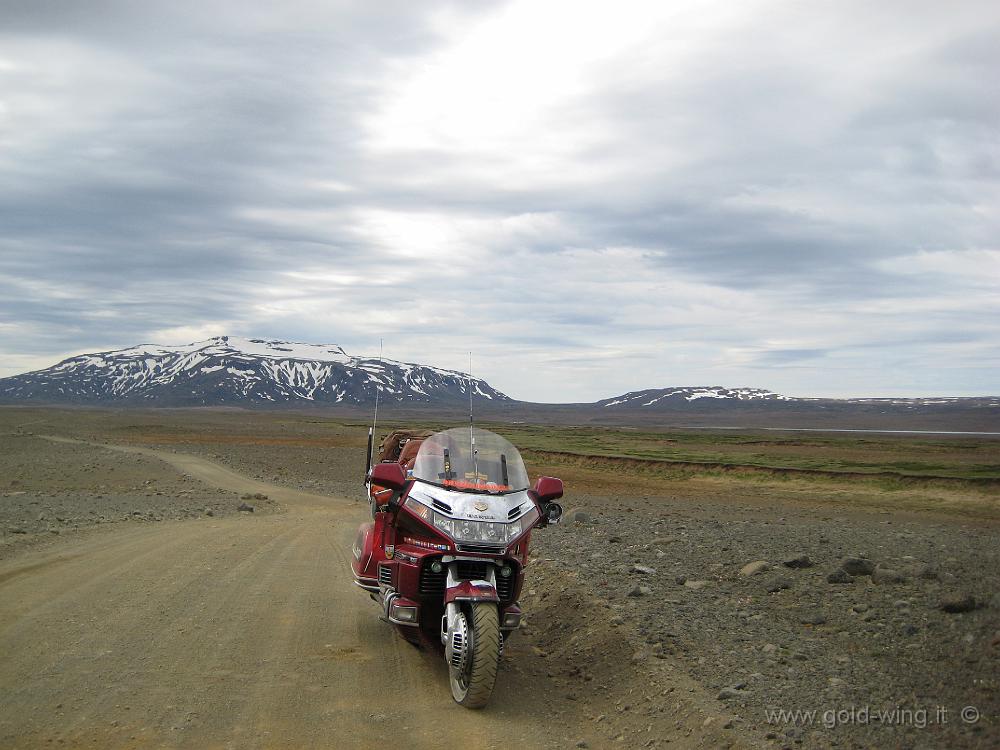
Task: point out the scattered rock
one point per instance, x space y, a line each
696 585
777 584
958 604
857 566
579 516
839 576
910 629
614 539
928 573
209 512
752 569
860 608
582 743
800 561
887 575
638 591
813 618
244 508
728 693
643 570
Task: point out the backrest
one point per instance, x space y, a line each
389 449
409 453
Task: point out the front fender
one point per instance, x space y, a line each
471 591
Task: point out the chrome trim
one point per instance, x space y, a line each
503 618
455 648
479 548
394 621
359 584
453 580
384 574
453 558
406 624
462 504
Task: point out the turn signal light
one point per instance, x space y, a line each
511 620
403 614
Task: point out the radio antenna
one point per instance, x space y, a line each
378 390
472 424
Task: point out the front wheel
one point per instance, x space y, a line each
473 678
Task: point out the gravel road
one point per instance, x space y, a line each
246 632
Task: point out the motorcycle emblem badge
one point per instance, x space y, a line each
481 506
390 550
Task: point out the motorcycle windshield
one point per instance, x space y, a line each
471 461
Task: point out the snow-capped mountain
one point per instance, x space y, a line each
230 370
682 395
716 397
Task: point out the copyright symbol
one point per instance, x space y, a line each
970 714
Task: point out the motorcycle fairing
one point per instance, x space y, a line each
370 549
472 506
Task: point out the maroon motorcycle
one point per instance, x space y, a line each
446 551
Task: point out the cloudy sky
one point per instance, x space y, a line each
592 197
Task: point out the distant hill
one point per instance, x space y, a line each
713 397
227 370
254 373
715 406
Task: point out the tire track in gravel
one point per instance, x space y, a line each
247 632
228 632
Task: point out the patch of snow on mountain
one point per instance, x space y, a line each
228 369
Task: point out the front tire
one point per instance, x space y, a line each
472 685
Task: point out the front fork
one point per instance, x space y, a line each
456 631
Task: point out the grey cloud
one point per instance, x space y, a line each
150 191
788 356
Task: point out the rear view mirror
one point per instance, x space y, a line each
548 489
389 475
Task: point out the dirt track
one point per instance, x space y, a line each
247 632
139 609
242 632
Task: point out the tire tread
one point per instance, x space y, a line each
485 654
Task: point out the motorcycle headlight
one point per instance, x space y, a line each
483 532
521 525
